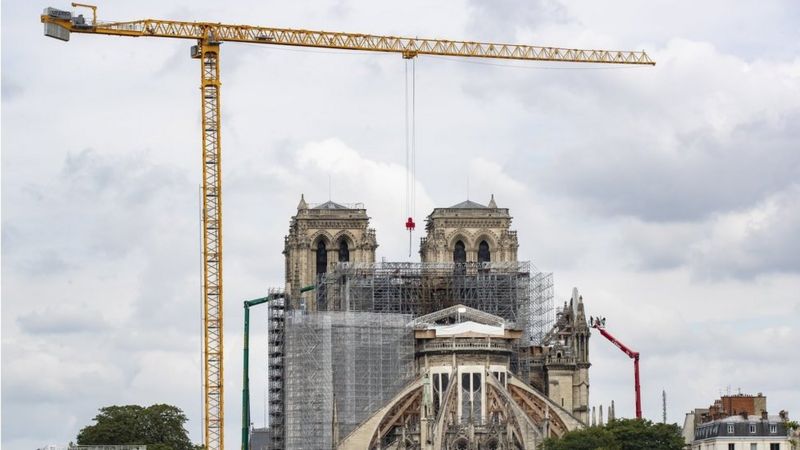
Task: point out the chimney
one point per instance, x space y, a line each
764 415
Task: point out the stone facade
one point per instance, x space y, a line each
465 395
481 387
322 235
560 368
472 225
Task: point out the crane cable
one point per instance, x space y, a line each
411 144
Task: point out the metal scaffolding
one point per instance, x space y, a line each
308 384
541 318
276 323
348 348
515 291
340 367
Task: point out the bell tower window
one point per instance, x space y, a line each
344 251
484 255
460 253
322 257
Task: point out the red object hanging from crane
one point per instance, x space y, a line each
410 224
600 325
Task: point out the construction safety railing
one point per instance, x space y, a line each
466 345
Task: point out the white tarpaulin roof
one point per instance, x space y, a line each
468 327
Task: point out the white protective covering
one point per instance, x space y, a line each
468 327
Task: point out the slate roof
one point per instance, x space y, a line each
468 204
330 205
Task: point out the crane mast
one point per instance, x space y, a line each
60 24
207 51
599 325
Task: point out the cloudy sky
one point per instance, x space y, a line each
670 195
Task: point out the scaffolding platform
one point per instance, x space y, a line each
515 291
348 347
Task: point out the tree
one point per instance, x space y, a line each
587 439
633 434
793 430
160 427
620 434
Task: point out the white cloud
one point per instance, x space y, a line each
668 194
759 240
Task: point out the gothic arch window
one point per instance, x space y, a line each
322 257
461 444
344 251
460 252
583 346
484 255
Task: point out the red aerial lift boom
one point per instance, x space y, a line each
600 325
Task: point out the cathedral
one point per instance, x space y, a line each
459 351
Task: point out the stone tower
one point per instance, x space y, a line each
566 361
469 232
321 236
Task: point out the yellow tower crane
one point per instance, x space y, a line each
60 24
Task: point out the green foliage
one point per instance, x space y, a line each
587 439
160 427
621 434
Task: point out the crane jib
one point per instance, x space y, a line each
408 47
